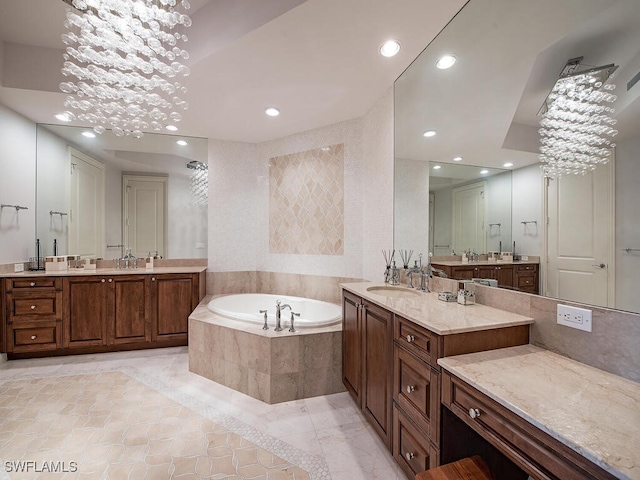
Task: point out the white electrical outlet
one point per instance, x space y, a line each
18 267
574 317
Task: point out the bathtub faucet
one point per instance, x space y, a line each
279 307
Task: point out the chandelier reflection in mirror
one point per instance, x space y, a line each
126 57
577 121
199 183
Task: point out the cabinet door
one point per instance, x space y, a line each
504 275
85 311
463 273
174 298
130 306
351 350
378 369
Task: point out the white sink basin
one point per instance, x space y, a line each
393 292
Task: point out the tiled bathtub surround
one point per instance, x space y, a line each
271 366
317 287
306 202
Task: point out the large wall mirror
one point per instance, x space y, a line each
483 112
99 195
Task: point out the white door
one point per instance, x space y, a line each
144 218
468 218
580 237
86 212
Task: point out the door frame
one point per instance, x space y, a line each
611 253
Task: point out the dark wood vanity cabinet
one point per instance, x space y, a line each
175 296
109 310
517 276
389 366
95 313
366 357
33 314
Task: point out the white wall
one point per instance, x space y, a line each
52 192
377 186
411 229
499 210
233 205
17 186
526 206
627 224
239 199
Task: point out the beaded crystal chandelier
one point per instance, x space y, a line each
577 124
125 60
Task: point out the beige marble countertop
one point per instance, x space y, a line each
595 413
458 263
442 318
107 271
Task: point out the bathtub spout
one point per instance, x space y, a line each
279 307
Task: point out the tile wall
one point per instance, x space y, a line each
306 202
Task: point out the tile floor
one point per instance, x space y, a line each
327 436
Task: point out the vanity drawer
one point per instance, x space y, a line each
417 340
526 282
36 336
533 450
417 391
411 449
526 268
39 306
36 283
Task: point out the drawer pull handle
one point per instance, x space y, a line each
33 337
33 307
33 284
103 280
409 456
110 280
153 279
411 388
411 338
474 413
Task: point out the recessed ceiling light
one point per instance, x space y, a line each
89 134
446 61
437 167
508 164
171 128
182 143
484 172
457 159
63 117
272 111
429 133
390 48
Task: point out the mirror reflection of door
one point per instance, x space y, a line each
144 216
86 201
468 218
580 237
432 216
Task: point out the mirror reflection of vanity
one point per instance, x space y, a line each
152 186
484 111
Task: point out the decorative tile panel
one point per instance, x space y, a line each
306 202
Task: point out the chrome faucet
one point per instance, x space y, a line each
279 307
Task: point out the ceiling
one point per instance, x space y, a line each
316 60
510 54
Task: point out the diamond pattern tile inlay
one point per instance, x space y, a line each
306 202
